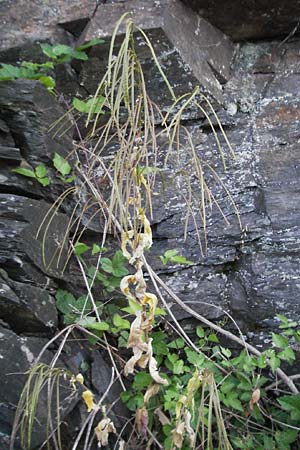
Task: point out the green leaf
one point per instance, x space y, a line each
61 165
160 312
118 265
212 337
91 106
142 380
80 248
40 171
200 332
79 55
99 326
25 172
61 49
181 260
178 343
96 249
48 82
64 301
121 323
48 50
9 72
106 265
69 179
232 401
133 307
226 352
91 43
287 354
279 340
44 181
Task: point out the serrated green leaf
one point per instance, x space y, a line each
287 354
61 164
106 265
9 72
279 340
142 380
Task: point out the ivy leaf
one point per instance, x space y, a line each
61 164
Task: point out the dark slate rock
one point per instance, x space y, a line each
101 377
22 21
27 309
190 50
10 154
17 356
21 252
244 20
27 111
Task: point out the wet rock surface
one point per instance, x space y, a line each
250 267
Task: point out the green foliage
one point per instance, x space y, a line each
39 174
91 106
29 71
58 54
64 53
63 168
172 256
249 425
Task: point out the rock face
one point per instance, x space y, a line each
22 21
251 265
244 20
